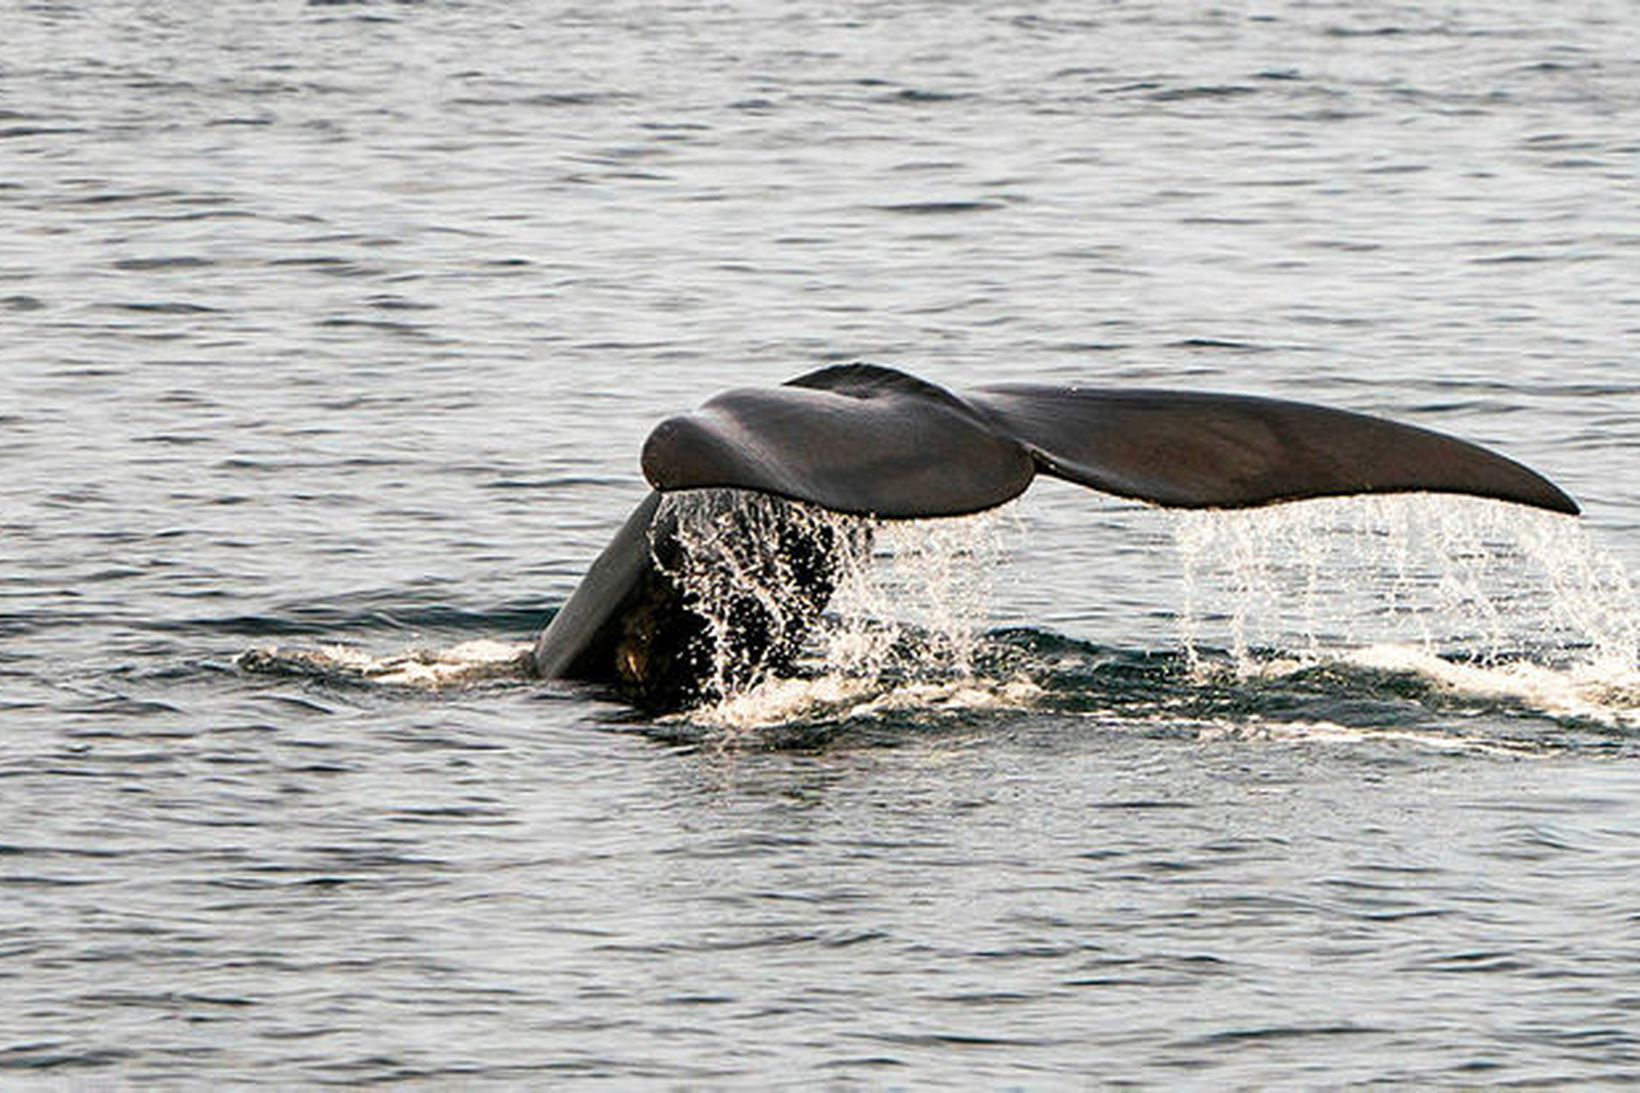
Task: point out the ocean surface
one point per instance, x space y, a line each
329 336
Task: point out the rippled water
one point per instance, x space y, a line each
341 326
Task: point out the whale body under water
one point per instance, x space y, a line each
875 442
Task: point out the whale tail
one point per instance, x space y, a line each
1184 449
874 441
866 439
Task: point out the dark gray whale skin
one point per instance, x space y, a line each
876 442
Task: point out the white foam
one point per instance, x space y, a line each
427 669
842 697
1330 732
1604 691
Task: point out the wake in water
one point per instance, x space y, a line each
1348 616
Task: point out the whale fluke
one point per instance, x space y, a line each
855 438
876 442
871 440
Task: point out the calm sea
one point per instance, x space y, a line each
329 335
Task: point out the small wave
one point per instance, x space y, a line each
1381 620
463 665
1201 91
1398 695
1604 692
942 208
838 698
1330 732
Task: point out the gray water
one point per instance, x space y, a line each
342 325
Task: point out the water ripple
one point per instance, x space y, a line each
334 331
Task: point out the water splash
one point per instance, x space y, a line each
909 604
835 698
1454 574
1479 597
1293 617
757 571
923 601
